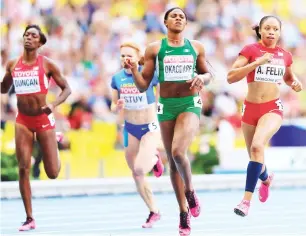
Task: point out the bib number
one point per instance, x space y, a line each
243 109
51 119
153 127
160 108
279 104
197 102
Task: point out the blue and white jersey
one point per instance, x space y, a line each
127 90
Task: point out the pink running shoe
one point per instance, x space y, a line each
158 168
153 217
193 203
264 189
184 227
243 208
28 225
59 136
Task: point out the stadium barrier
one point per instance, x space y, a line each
105 186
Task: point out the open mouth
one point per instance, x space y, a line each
270 38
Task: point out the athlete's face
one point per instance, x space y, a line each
128 53
270 31
176 21
31 39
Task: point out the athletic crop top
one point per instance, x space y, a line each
30 79
272 72
127 90
176 64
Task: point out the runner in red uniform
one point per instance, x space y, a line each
30 75
265 65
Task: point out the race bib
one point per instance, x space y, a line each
26 85
51 119
178 67
279 104
133 99
154 126
160 108
197 101
243 109
269 73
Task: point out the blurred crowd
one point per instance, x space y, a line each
84 38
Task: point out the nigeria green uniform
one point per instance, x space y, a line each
176 64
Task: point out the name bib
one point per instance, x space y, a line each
178 67
134 100
26 85
269 73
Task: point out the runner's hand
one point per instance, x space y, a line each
48 109
199 81
296 86
120 104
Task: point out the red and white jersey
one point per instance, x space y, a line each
30 79
272 72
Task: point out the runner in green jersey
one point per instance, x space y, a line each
182 73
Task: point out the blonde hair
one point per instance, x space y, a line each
136 47
131 45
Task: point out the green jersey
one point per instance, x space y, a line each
176 64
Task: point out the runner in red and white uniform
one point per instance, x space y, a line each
265 65
30 75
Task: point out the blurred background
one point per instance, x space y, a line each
84 39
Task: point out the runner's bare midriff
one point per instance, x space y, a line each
260 92
31 104
176 90
143 116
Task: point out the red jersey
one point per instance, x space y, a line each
272 72
30 79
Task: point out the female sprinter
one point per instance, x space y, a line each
179 107
265 65
141 131
30 75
